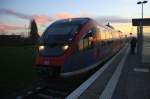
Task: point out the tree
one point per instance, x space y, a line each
33 32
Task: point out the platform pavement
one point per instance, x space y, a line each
133 83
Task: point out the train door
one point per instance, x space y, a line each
116 38
87 47
109 43
84 56
103 43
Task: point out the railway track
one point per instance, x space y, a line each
44 93
52 88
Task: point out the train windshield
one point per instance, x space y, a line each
57 38
60 33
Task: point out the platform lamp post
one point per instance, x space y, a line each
140 33
142 2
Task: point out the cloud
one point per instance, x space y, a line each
6 27
40 19
112 19
101 19
64 15
14 13
43 19
84 14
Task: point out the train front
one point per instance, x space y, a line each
55 45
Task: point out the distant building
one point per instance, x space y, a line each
13 40
7 38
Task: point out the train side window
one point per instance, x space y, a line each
87 41
109 37
103 37
80 45
91 37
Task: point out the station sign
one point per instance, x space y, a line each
138 22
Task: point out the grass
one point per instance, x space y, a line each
16 68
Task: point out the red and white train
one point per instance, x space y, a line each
76 45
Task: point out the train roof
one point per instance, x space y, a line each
80 21
73 21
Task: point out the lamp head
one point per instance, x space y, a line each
139 2
142 2
145 1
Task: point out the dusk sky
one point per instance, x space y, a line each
15 15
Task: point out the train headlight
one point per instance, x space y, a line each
41 48
65 47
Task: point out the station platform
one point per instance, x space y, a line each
123 77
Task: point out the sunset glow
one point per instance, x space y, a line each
15 15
